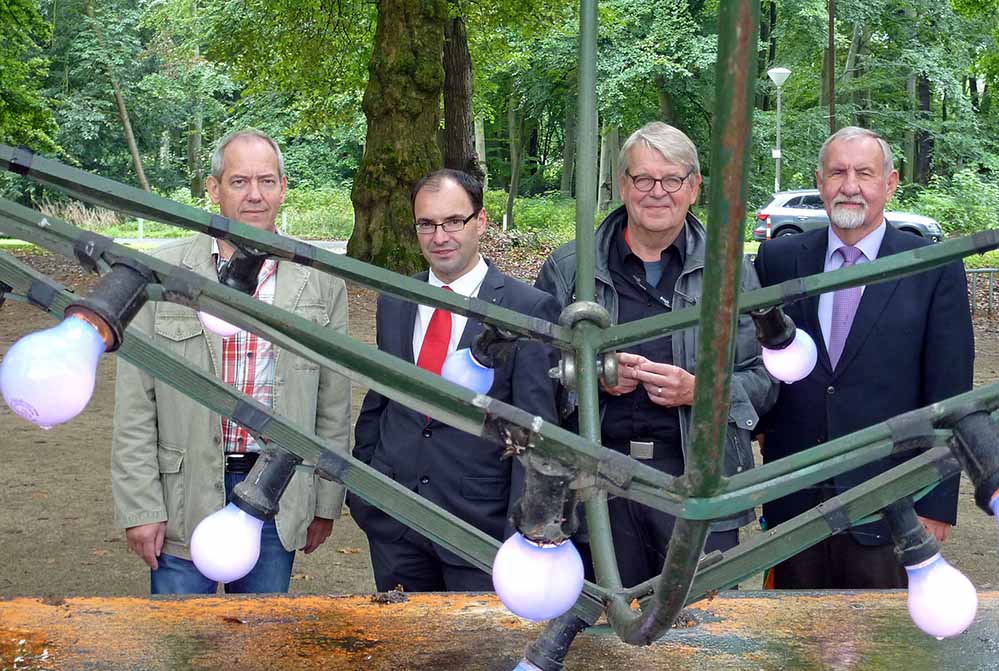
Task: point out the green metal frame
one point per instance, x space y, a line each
701 495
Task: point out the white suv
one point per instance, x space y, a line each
791 212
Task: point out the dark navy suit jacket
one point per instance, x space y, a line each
911 344
464 474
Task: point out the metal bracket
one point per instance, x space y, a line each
41 294
834 513
90 248
911 431
20 162
252 418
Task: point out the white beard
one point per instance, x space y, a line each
847 218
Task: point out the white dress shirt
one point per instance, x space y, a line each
466 285
869 245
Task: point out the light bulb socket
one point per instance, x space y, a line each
547 511
492 347
913 543
240 271
774 329
976 445
549 650
115 300
259 493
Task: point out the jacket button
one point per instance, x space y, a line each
830 390
424 480
217 440
427 433
218 486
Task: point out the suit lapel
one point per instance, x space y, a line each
872 306
811 260
407 322
490 291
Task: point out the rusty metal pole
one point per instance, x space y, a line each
737 33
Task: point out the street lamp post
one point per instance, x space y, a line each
778 76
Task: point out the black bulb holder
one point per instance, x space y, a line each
913 543
259 493
493 346
774 329
976 445
547 512
240 271
116 298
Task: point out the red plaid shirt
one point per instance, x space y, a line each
248 365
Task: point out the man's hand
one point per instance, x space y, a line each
667 385
939 530
627 368
319 530
146 540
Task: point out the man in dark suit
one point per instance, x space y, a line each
464 474
884 349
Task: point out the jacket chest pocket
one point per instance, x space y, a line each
178 326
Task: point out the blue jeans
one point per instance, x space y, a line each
271 574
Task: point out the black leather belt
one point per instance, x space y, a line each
240 462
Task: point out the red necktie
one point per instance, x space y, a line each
435 342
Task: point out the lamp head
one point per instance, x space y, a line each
778 75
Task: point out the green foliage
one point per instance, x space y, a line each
25 114
963 204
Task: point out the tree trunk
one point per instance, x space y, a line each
613 148
667 110
604 189
480 150
851 56
831 67
763 63
910 134
924 141
569 146
459 127
513 125
195 167
402 107
119 101
973 90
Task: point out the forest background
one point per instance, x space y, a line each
365 97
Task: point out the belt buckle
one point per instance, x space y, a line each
642 449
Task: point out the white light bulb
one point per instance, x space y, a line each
942 601
48 377
217 326
793 362
537 582
462 368
525 665
225 546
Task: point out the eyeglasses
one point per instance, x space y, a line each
670 183
452 225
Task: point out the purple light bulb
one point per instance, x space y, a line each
942 601
462 368
994 504
537 581
48 377
225 545
217 326
794 362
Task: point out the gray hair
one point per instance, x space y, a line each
853 133
671 142
218 156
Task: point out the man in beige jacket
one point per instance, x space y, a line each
173 461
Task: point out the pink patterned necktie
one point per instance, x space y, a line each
845 302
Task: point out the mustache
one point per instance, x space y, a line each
838 200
